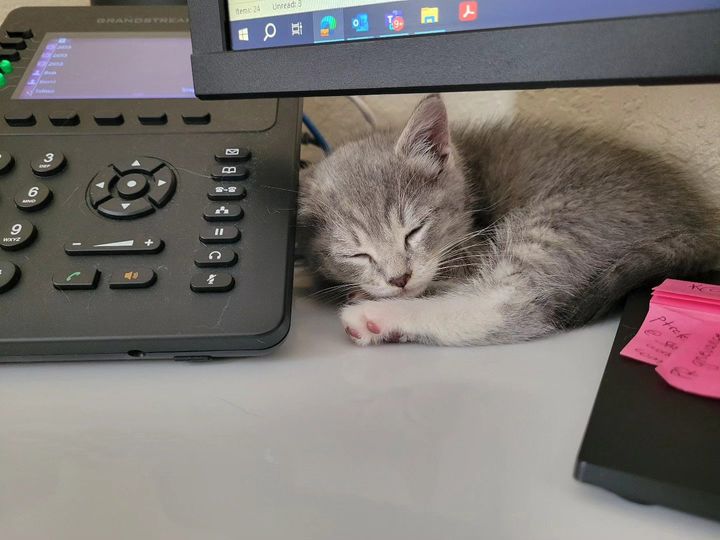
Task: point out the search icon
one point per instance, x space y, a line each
270 31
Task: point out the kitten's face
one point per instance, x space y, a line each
382 211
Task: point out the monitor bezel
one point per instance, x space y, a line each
655 49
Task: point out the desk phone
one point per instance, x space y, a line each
136 221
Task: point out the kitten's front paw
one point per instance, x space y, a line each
370 323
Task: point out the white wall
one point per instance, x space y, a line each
682 120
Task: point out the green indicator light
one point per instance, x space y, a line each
3 81
6 67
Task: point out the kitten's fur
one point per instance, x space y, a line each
508 232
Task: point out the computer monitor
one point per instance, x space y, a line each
248 48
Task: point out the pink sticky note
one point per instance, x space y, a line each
686 303
663 334
681 336
697 371
692 289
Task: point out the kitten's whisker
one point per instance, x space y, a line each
194 173
278 188
336 288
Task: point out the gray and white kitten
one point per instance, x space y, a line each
496 234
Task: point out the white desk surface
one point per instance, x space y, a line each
320 441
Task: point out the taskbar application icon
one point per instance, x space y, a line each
360 23
328 25
395 20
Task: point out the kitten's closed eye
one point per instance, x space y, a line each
361 257
413 235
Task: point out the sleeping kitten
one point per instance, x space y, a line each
496 234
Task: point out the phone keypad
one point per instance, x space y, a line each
17 234
33 198
49 164
6 162
126 190
9 276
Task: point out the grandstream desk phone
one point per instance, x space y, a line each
135 220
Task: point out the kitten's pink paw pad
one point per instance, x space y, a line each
352 333
374 328
369 323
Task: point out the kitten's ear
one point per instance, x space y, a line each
427 131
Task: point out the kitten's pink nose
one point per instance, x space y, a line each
400 281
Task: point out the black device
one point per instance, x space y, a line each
647 441
264 47
136 220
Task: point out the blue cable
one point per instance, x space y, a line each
315 132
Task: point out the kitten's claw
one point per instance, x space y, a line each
370 323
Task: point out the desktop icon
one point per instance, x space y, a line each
361 23
468 11
296 28
395 20
328 24
429 15
243 34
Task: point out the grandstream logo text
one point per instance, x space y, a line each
143 20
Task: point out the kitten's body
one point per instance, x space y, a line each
510 232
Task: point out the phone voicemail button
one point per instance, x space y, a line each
76 279
233 154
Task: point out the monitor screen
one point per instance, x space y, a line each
258 24
111 65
